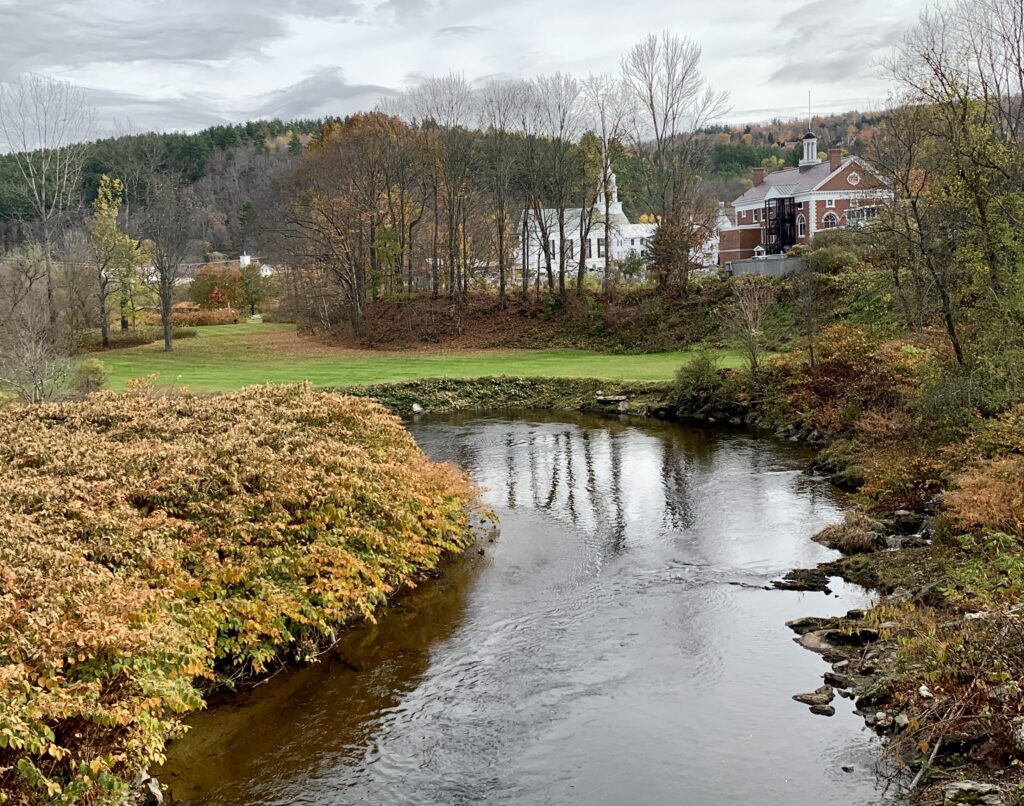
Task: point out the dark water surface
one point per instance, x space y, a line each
613 646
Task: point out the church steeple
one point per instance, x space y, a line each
810 150
615 208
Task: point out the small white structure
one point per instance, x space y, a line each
626 238
244 260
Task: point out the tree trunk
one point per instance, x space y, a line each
165 313
607 237
104 325
561 253
526 254
581 266
501 260
51 305
435 278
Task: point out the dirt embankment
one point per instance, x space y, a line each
635 321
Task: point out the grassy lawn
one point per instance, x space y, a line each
233 356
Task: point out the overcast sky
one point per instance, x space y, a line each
185 64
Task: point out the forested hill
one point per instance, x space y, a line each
227 165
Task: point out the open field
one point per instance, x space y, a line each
234 356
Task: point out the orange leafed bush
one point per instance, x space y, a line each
990 496
183 318
151 546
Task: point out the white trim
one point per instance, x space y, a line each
801 226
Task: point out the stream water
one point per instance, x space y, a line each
615 645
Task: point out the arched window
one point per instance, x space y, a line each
830 221
801 226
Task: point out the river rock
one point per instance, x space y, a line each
806 624
1017 732
857 637
152 794
973 792
417 408
815 641
804 579
823 710
820 696
838 680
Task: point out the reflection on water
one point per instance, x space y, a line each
615 645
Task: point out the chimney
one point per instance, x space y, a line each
758 176
835 157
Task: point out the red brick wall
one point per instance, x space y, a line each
738 244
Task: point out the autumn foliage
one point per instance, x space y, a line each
154 546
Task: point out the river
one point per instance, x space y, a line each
615 645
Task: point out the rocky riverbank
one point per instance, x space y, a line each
934 666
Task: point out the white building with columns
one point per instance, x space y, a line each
626 238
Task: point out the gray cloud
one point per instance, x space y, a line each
404 10
815 53
803 13
73 35
323 92
458 30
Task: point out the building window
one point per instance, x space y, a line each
571 251
830 202
830 221
801 226
600 247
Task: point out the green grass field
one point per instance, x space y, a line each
233 356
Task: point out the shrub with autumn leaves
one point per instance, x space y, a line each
154 546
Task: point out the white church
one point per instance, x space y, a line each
626 238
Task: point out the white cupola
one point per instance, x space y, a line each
810 150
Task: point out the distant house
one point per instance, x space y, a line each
787 207
626 238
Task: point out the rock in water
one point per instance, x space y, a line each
973 792
152 794
823 710
806 624
819 697
417 408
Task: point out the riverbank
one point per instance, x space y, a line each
600 652
154 547
937 665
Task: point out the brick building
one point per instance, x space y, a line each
786 208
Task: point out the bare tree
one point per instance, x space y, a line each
560 110
752 298
611 105
674 101
32 363
44 124
448 103
168 226
501 103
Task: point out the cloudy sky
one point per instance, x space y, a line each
185 64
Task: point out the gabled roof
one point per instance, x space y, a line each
787 182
